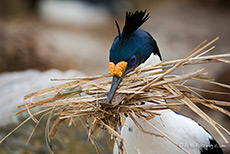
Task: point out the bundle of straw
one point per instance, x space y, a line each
84 98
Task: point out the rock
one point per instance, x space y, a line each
15 85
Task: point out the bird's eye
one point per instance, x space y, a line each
132 60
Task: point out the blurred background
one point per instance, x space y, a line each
44 39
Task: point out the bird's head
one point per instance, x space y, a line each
130 48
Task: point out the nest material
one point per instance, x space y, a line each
84 98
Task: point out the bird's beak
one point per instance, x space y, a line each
115 83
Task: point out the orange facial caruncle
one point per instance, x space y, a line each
117 69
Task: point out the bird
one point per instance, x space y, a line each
132 48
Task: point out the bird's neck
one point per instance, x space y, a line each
153 59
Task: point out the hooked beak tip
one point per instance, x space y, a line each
108 101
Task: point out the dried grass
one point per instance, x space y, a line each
84 98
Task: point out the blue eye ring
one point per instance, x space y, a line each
132 60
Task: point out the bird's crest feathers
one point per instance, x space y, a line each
133 21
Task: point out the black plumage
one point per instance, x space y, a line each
133 21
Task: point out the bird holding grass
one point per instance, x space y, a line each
134 47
